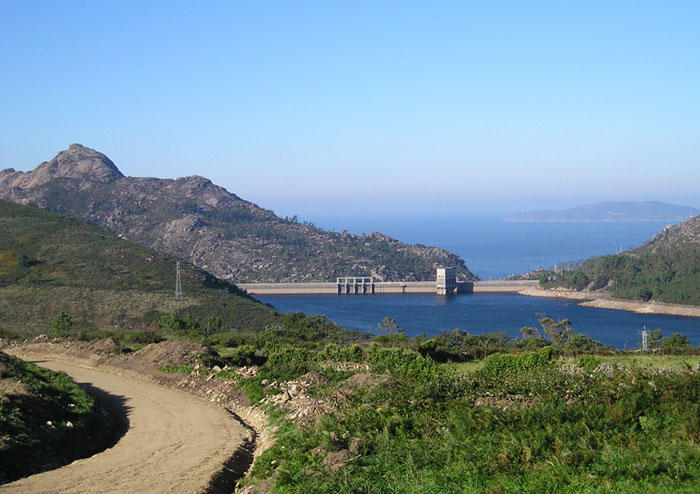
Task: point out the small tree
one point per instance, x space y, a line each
558 332
529 332
61 326
388 326
676 340
214 325
655 338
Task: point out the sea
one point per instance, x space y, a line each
493 249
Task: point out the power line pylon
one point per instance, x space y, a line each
178 284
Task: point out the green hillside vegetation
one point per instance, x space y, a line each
46 420
548 413
669 275
51 264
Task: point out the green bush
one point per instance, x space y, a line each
337 353
674 341
460 346
588 362
401 362
287 362
61 326
500 363
243 355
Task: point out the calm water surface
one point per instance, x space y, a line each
481 313
493 248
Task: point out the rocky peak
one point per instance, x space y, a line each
77 162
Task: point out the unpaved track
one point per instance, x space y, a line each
175 443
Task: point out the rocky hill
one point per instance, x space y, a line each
216 230
664 269
610 211
683 235
51 264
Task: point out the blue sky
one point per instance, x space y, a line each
494 105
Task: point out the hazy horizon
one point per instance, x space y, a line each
307 108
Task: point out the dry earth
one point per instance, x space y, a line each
176 442
603 300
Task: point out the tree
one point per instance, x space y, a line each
654 339
61 326
676 340
388 326
558 332
529 331
214 325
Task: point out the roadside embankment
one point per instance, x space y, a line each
176 442
602 300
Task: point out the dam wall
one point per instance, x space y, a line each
383 287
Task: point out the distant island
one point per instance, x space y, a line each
610 211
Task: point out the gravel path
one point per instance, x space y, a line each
175 443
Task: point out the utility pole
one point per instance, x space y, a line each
178 284
645 339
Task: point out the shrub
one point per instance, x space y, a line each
287 362
401 361
501 363
676 340
61 326
243 355
584 343
337 353
588 362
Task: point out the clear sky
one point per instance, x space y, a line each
291 103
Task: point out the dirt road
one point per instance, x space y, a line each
175 443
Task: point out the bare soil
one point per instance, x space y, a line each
602 300
187 433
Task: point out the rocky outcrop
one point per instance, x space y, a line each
214 229
76 162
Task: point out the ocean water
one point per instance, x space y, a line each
494 249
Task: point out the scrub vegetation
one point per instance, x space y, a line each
537 414
665 269
50 264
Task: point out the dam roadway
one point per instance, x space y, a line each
384 287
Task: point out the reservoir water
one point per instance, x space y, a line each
482 313
493 248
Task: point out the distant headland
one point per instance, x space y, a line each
610 211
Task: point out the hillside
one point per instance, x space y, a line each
50 263
610 211
665 269
193 218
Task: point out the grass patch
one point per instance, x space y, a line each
177 369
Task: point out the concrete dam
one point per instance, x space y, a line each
445 284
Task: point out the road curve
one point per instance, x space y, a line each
175 443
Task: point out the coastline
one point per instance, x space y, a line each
604 301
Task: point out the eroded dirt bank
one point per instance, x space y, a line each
184 440
604 301
175 443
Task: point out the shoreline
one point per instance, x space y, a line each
604 301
